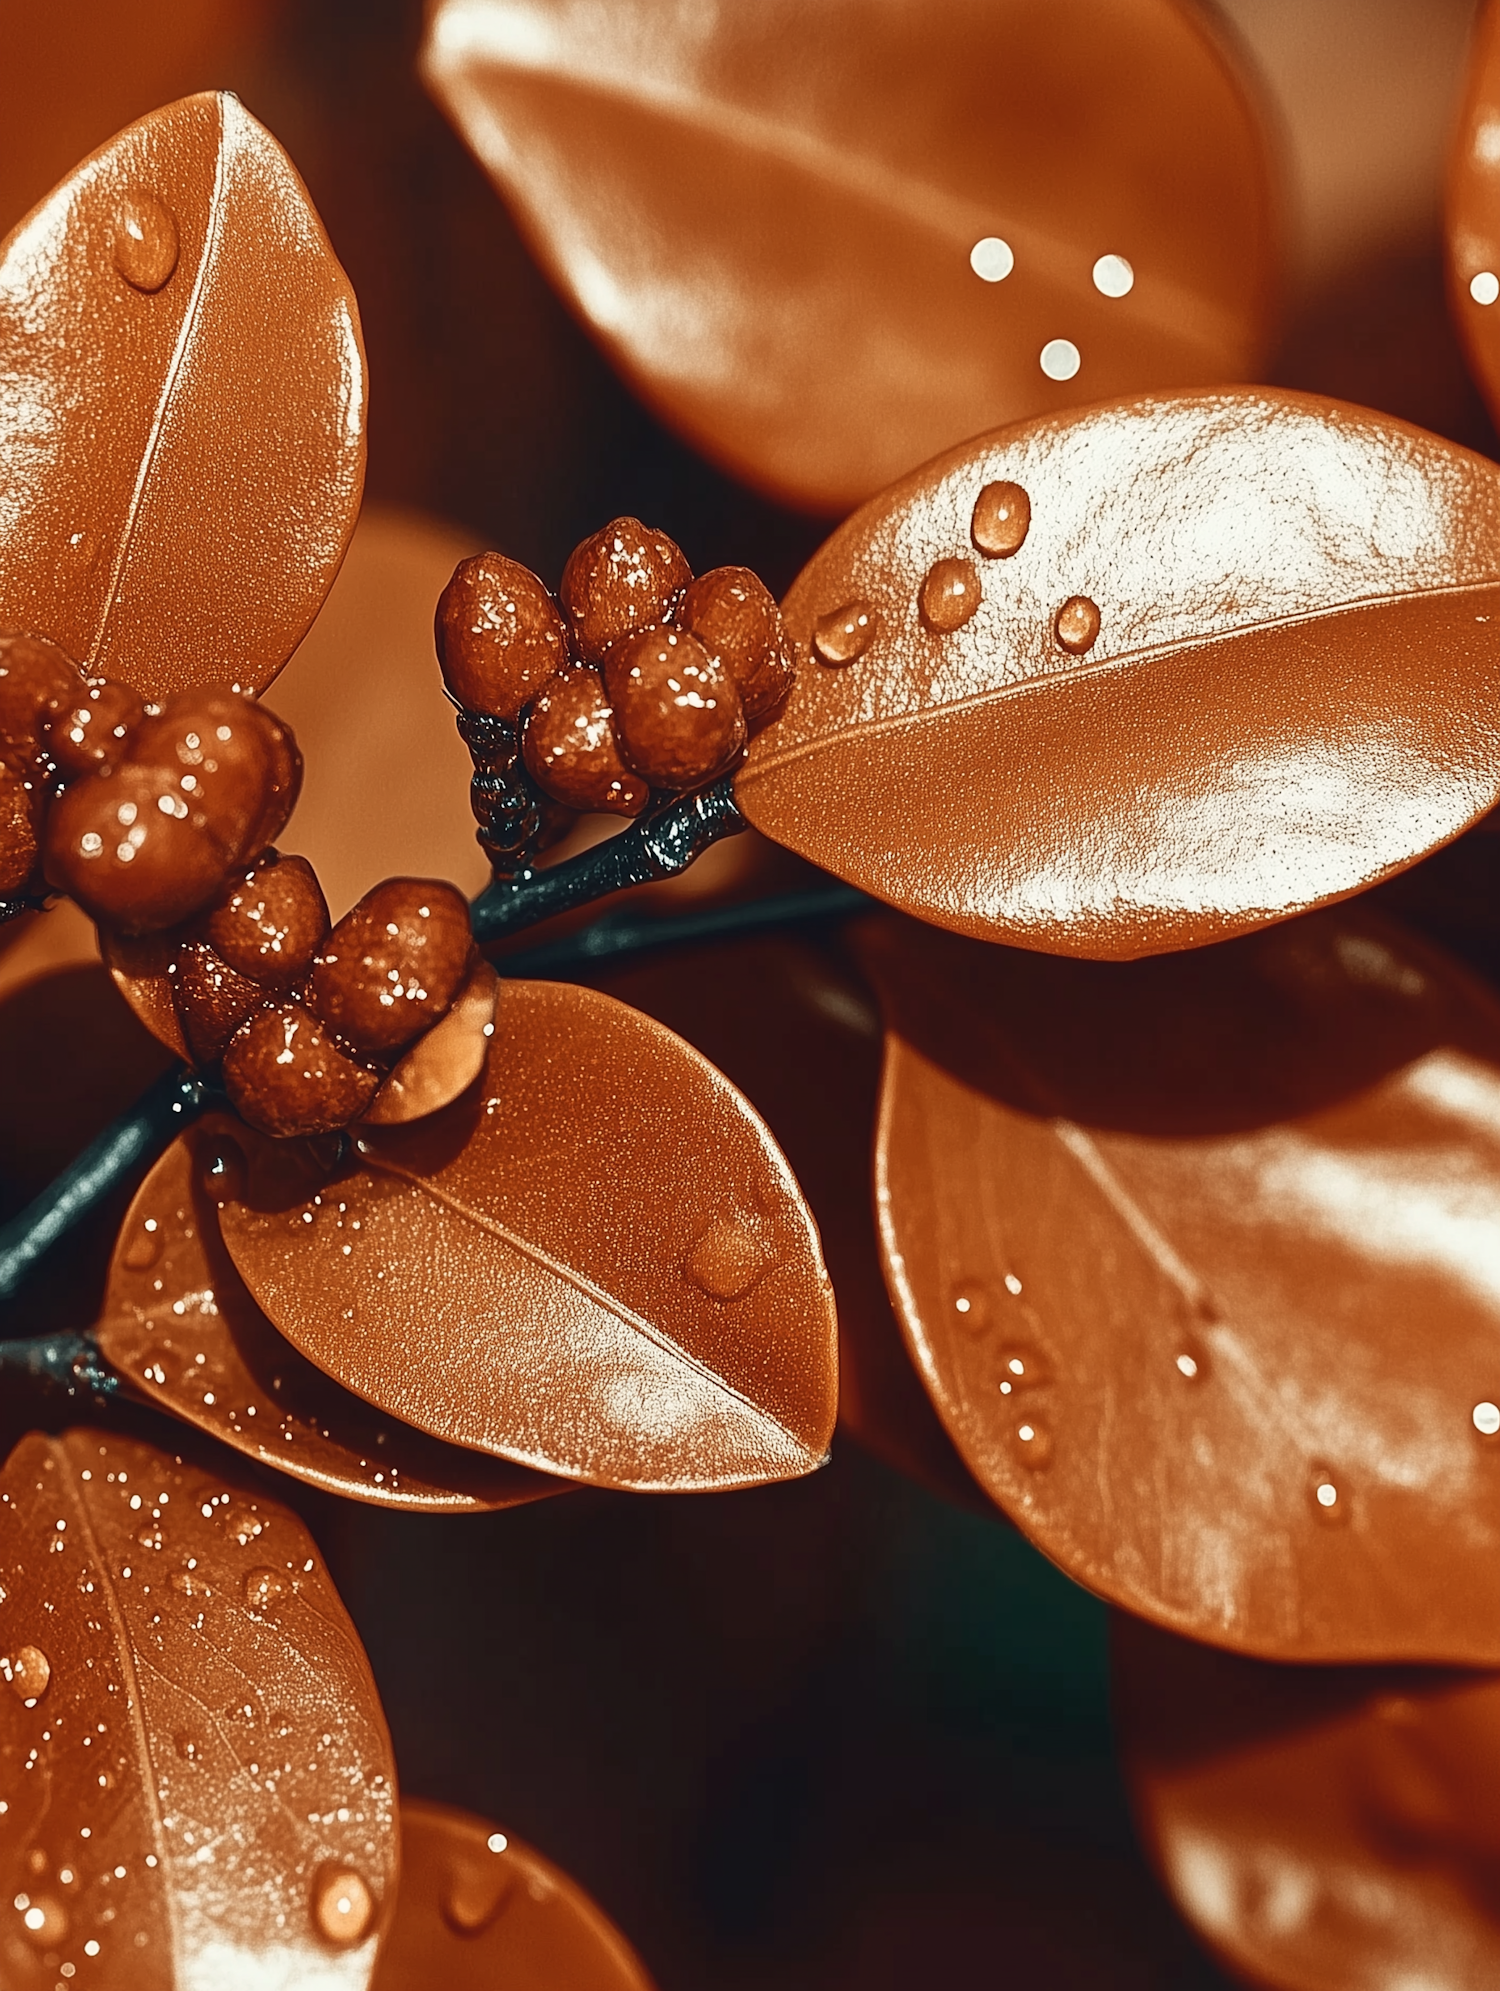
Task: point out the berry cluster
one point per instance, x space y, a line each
159 821
637 680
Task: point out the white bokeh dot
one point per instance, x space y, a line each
991 259
1484 288
1487 1418
1061 359
1113 276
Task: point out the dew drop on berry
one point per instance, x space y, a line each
343 1907
950 594
1076 626
1001 521
145 240
845 634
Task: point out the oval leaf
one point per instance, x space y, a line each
1291 691
597 1263
1473 218
140 967
479 1909
195 1763
182 416
1196 1258
853 229
445 1060
1322 1829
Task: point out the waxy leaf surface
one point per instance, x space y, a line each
1322 1829
1291 692
1196 1256
596 1263
775 217
1473 217
181 1329
181 406
479 1909
195 1764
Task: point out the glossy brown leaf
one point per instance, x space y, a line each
1291 691
182 420
479 1909
826 242
140 968
181 1329
1323 1829
445 1060
1197 1258
596 1263
196 1768
1473 217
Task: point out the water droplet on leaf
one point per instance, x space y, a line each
971 1307
45 1921
27 1672
144 1249
950 595
726 1261
845 634
145 240
475 1893
1076 626
1033 1444
343 1907
1002 519
263 1588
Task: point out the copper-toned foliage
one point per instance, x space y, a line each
181 1329
1473 218
176 311
140 966
856 234
199 1784
478 1909
596 1262
445 1060
1323 1829
1244 660
1196 1257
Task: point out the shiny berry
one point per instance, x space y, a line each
94 730
499 635
393 965
37 681
285 1075
570 747
623 579
735 617
231 759
127 844
677 711
18 846
269 921
211 1000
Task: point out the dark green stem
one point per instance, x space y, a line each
621 936
71 1360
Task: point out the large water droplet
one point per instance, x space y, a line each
241 1522
1076 625
144 1248
44 1919
27 1672
1002 519
145 240
845 634
343 1907
950 594
1033 1444
265 1587
726 1261
476 1890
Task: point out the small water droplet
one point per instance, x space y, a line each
186 1746
343 1907
1076 626
476 1890
27 1672
224 1173
189 1583
150 1537
727 1261
45 1921
971 1307
1019 1366
1060 359
1113 277
950 595
1330 1500
991 258
144 1248
1190 1358
1487 1419
1002 519
845 634
145 240
1033 1444
263 1588
241 1523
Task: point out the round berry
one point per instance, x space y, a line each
18 847
623 579
37 681
131 849
211 1000
285 1075
231 759
734 616
570 747
677 711
499 635
94 730
394 964
269 921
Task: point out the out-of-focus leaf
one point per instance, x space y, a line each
1290 690
1323 1829
181 406
826 242
1473 217
596 1263
180 1327
1196 1256
199 1788
478 1909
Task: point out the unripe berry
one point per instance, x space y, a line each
734 616
285 1075
499 635
131 849
18 847
623 579
94 729
233 760
570 747
677 711
211 1000
268 921
393 965
37 680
